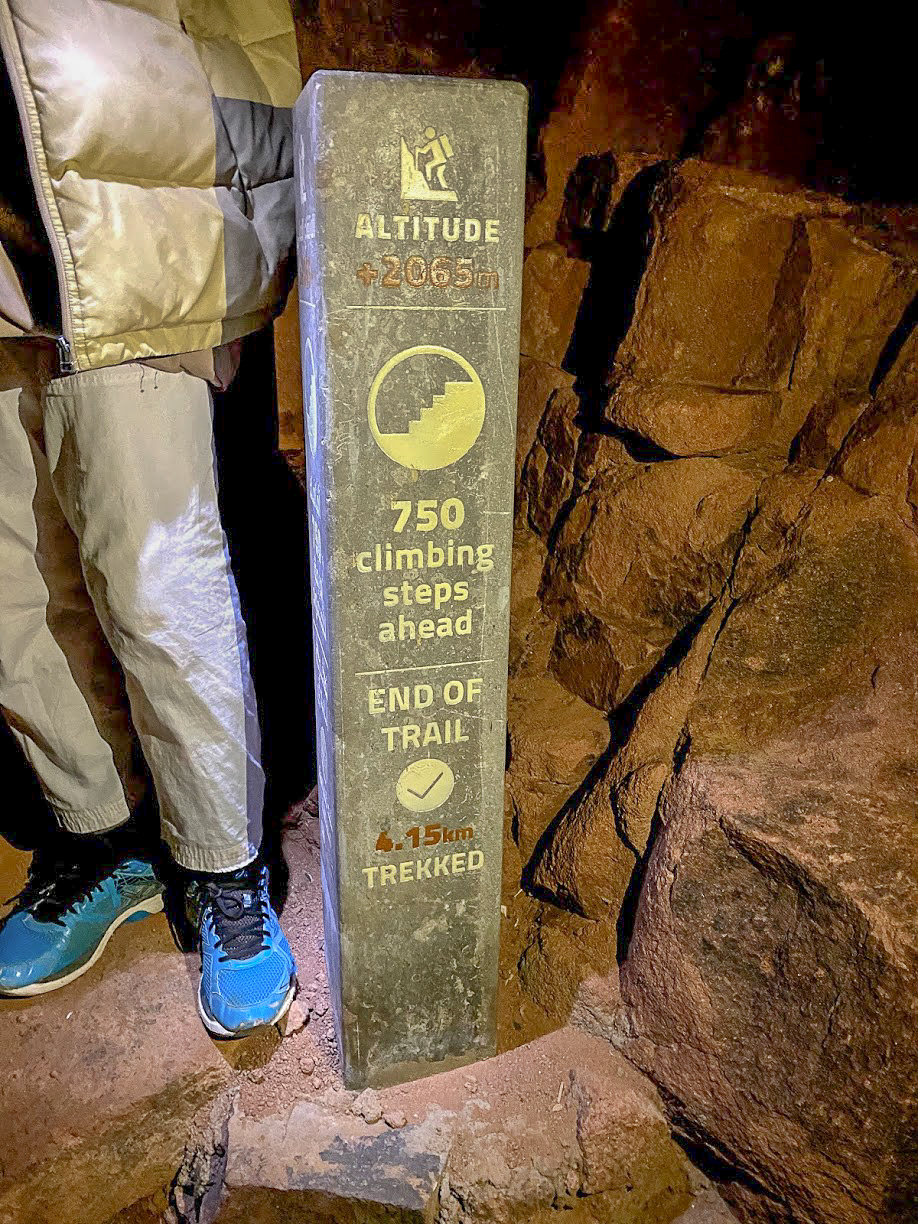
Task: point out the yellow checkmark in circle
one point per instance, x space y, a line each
424 785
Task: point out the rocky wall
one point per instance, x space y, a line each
717 556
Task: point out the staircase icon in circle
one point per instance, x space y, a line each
447 427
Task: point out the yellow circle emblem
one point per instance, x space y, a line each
447 428
424 785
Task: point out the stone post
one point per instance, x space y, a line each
410 215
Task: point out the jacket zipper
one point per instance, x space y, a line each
13 56
65 356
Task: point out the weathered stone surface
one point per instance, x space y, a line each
772 974
871 459
553 285
554 736
825 606
555 739
559 951
600 1153
634 83
549 475
637 559
719 304
540 383
860 286
690 420
563 1127
530 629
771 971
588 863
318 1164
99 1082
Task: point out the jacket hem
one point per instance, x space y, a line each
165 341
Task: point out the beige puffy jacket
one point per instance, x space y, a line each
160 145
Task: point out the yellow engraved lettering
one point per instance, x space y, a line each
370 872
451 229
387 874
491 231
390 733
475 860
364 226
400 223
432 733
424 868
381 231
405 872
458 864
376 700
411 735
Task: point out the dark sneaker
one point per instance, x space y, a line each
248 975
65 916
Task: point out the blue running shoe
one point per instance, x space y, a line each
248 974
65 916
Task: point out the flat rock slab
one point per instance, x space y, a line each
564 1124
99 1081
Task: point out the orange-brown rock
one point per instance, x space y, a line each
539 384
773 970
553 285
549 474
685 419
639 556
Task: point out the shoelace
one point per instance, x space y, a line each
50 896
239 916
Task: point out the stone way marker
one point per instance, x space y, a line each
410 218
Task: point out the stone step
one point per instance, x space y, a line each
563 1125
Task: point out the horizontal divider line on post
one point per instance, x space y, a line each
385 671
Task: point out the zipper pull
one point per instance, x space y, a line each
65 356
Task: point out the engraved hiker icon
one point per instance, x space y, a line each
423 171
440 151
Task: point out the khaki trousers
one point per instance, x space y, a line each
111 544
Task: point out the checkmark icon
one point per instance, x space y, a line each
424 793
424 785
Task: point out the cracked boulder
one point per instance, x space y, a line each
589 859
773 971
641 554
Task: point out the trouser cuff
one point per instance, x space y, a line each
197 859
93 820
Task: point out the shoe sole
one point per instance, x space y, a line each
216 1029
143 909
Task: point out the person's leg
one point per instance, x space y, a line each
62 695
60 689
131 453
